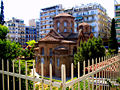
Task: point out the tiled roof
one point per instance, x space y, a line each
73 35
63 14
54 33
49 38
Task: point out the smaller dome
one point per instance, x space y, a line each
63 15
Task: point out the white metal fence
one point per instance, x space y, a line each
94 77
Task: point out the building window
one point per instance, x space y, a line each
65 30
42 60
50 60
42 51
58 62
50 51
58 24
65 24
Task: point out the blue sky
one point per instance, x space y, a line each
30 9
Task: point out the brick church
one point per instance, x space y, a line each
60 44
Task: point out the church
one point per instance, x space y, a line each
60 44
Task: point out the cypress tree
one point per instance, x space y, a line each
113 45
2 13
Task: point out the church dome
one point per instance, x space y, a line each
63 15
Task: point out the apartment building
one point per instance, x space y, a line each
46 18
93 14
30 33
117 18
16 30
35 23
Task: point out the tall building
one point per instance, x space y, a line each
117 18
46 18
16 30
93 14
30 33
35 23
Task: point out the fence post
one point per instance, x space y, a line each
84 73
26 75
99 74
13 76
33 75
3 74
102 73
63 75
72 73
88 73
78 75
8 71
42 75
96 73
19 78
50 76
92 75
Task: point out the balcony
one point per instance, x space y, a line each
117 27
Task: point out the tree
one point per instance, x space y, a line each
113 45
3 32
91 49
30 47
2 13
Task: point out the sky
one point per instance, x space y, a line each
30 9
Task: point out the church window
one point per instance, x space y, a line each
50 51
50 60
42 51
58 30
58 62
65 24
42 60
58 24
65 30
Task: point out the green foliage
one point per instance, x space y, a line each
9 50
113 45
3 32
91 49
31 43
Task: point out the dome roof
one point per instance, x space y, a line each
63 15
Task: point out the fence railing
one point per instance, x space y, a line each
94 76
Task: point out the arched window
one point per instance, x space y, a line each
58 24
50 51
58 62
42 51
58 30
42 60
65 24
65 30
50 60
36 59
